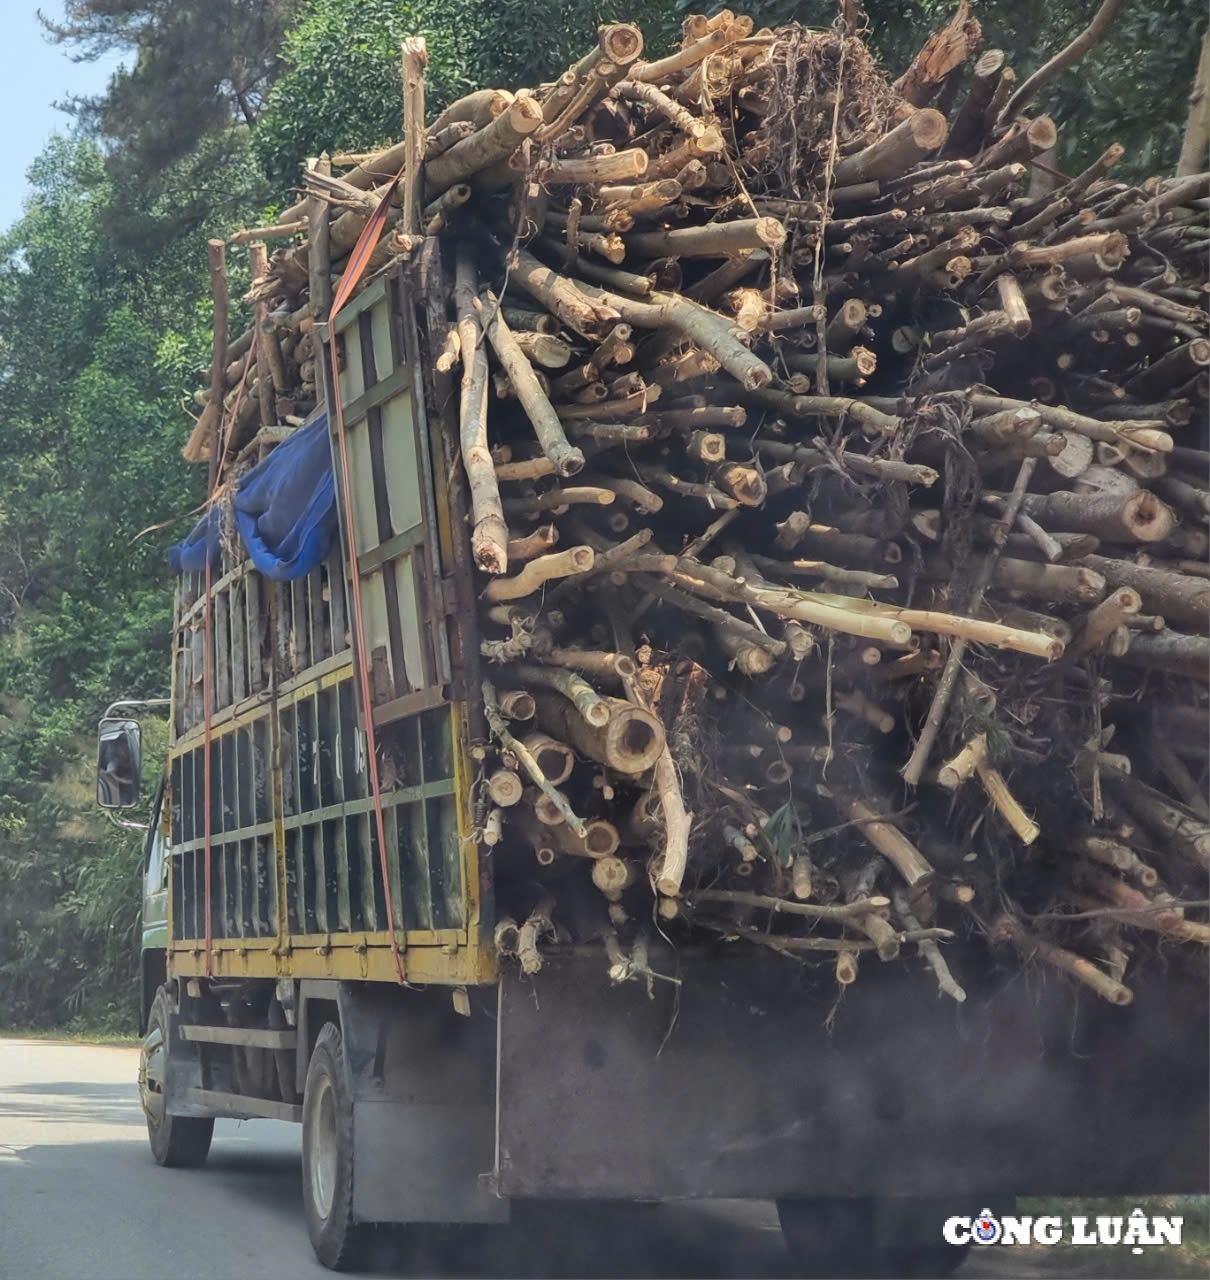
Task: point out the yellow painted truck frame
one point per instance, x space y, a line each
444 1097
296 886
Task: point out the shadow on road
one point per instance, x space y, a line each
70 1102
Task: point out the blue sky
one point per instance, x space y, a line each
34 74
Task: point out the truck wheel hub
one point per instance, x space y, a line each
323 1149
151 1074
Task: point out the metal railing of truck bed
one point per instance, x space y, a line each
295 873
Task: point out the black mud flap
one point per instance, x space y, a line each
748 1080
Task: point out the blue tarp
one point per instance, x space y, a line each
285 511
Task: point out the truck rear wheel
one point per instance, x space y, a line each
327 1164
177 1142
838 1236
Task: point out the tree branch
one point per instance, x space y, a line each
1094 33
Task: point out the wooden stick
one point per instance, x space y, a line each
1168 822
630 741
504 787
591 661
478 154
517 704
898 850
622 166
955 772
699 325
1066 57
1103 620
929 949
554 499
1132 517
1026 829
1031 947
491 709
279 231
1121 857
714 240
415 58
585 699
266 382
914 769
657 72
218 361
907 144
1176 596
567 459
489 536
536 572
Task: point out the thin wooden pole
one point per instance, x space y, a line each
218 360
415 59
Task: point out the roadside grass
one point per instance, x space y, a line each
71 1034
1163 1262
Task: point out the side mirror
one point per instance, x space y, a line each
119 763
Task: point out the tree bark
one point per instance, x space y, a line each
1176 596
1132 517
489 536
567 459
218 360
907 144
1196 142
496 141
415 58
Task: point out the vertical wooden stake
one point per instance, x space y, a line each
1197 126
415 59
258 261
218 361
319 257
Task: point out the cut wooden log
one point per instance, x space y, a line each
480 153
539 571
922 133
630 741
1135 517
1079 967
1174 595
565 456
489 535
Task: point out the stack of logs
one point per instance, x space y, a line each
838 481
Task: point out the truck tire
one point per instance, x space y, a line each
327 1165
837 1236
177 1142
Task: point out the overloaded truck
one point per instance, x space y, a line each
435 1083
572 881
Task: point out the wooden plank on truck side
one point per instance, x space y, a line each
335 580
321 639
222 648
300 627
197 651
239 641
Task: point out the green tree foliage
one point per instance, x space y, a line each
342 86
341 89
100 349
1132 88
196 69
105 330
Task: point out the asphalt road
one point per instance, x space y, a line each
80 1197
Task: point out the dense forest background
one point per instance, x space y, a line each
104 333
